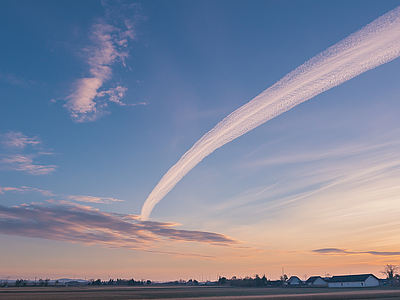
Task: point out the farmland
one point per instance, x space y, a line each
196 292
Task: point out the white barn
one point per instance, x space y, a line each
316 281
363 280
294 280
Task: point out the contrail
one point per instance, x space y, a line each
271 186
375 44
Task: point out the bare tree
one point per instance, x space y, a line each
390 271
283 277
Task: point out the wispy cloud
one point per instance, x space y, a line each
374 45
47 193
22 162
25 189
109 46
18 152
337 251
326 172
342 197
15 80
63 221
18 140
92 199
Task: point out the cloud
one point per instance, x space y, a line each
374 45
330 251
67 222
18 153
336 251
91 199
25 189
109 45
15 80
351 172
47 193
18 140
114 94
20 162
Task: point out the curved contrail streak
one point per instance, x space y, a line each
375 44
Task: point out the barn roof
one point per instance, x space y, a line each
313 278
293 278
351 278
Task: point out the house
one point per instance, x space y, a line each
72 283
316 281
294 280
363 280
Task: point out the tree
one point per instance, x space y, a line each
222 280
264 280
258 280
284 277
390 271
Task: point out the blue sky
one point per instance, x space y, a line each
322 175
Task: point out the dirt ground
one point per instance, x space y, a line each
196 293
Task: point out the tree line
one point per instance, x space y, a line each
390 271
248 281
131 282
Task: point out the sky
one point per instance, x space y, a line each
98 100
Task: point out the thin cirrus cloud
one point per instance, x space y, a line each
367 174
337 251
15 80
63 221
355 194
109 46
92 199
25 189
47 193
18 152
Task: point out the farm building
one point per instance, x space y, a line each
294 280
363 280
316 281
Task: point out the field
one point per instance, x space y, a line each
196 292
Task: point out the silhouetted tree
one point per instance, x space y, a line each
257 280
222 280
390 272
264 280
284 277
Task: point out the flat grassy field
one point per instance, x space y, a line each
195 293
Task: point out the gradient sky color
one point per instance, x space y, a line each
99 99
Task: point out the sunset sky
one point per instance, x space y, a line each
99 99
